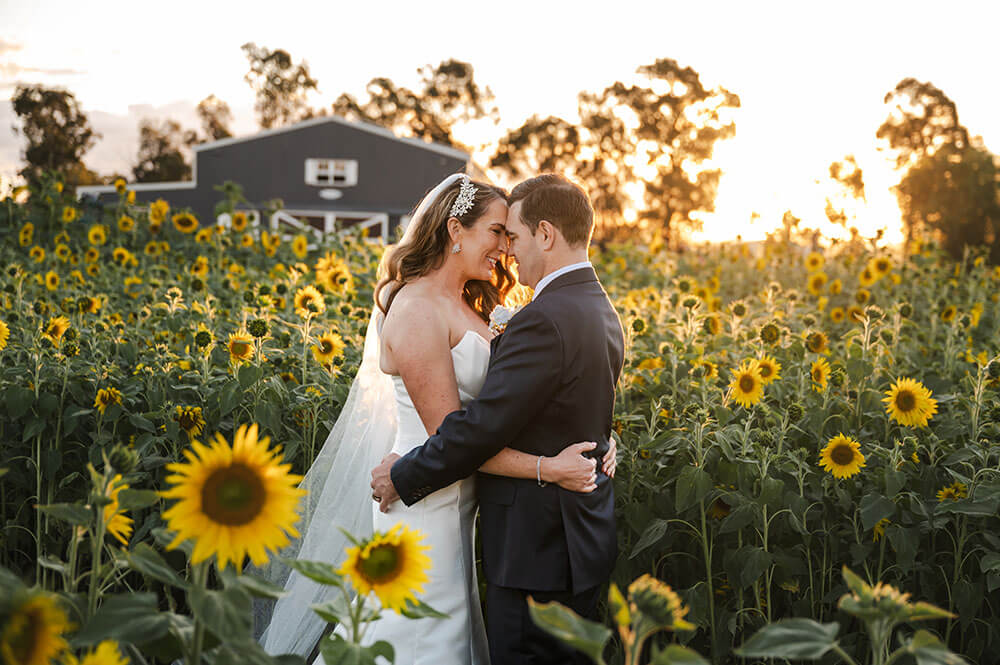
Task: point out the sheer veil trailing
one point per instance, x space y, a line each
339 490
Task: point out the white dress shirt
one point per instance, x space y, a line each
544 281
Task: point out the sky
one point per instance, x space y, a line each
811 77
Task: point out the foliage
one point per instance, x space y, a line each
122 341
215 118
448 95
280 86
57 131
161 152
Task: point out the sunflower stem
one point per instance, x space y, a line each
200 579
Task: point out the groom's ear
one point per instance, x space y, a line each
546 234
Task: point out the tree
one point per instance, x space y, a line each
950 183
57 132
279 85
448 96
956 192
654 136
161 152
850 180
923 120
215 118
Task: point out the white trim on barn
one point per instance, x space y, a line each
360 220
330 172
356 124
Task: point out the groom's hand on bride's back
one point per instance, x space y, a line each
383 490
570 469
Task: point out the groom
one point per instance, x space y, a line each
551 382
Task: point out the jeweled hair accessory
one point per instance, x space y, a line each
465 199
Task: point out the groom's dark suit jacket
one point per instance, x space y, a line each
551 382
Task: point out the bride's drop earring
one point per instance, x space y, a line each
456 248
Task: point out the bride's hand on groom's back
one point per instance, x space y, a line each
571 470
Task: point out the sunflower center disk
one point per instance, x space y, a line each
906 401
747 383
842 455
233 495
381 564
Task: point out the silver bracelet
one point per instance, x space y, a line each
538 472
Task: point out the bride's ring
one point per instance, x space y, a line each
375 497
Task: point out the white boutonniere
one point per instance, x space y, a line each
500 317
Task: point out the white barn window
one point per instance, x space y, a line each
331 172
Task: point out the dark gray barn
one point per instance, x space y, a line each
330 173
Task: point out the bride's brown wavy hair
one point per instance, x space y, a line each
427 245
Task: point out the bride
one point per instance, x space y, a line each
426 354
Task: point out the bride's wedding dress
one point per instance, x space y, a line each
447 520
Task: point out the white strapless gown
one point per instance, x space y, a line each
447 520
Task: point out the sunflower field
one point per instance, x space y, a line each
784 412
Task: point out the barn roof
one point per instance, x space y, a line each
354 124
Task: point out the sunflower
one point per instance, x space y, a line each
909 403
770 333
747 387
820 373
125 223
34 631
190 420
817 342
93 269
185 222
855 313
814 261
657 603
769 368
240 346
203 235
880 265
115 520
712 325
90 305
867 277
948 313
862 296
91 255
152 248
957 490
200 267
51 280
393 565
330 346
300 246
4 335
130 197
63 252
26 234
120 255
704 369
333 274
239 222
837 314
97 235
158 210
120 185
308 302
842 457
878 531
816 282
233 501
55 329
37 254
68 214
106 653
106 397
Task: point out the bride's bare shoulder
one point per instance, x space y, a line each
414 311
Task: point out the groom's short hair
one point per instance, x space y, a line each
560 201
